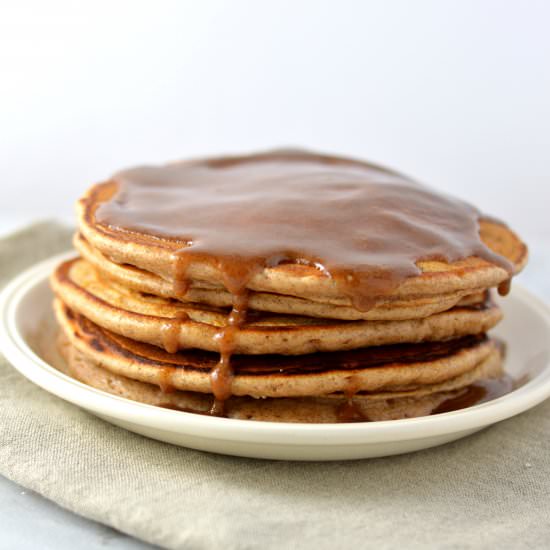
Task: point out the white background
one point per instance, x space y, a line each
454 93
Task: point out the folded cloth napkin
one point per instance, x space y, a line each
490 490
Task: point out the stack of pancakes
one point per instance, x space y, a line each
284 286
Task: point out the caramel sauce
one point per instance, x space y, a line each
170 331
505 286
479 392
221 376
363 227
353 385
165 382
349 411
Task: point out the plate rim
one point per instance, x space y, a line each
29 364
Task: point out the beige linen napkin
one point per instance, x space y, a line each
491 490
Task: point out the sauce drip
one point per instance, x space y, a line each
165 382
505 286
349 411
221 376
363 227
170 331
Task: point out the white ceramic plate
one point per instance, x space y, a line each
26 317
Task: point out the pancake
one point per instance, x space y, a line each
304 409
174 325
285 285
407 370
389 309
298 224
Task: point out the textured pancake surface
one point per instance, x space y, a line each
416 368
174 325
298 409
388 309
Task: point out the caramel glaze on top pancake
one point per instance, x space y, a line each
363 226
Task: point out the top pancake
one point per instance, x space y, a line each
293 223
